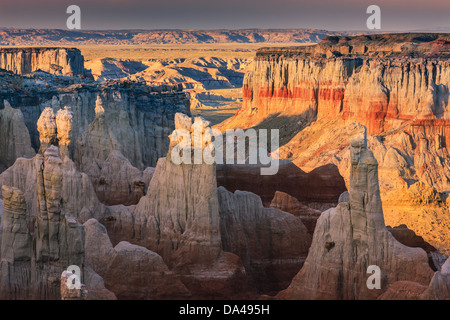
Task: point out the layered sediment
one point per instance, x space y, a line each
15 141
395 85
352 238
219 243
61 61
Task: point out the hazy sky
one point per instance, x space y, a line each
226 14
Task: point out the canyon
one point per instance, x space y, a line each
396 86
87 179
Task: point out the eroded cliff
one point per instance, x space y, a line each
352 237
65 61
396 85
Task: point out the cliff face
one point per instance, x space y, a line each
380 81
210 237
139 117
65 61
179 219
117 126
396 85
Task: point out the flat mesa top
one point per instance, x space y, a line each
34 49
412 45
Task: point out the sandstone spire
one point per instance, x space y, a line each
16 240
15 139
64 120
46 126
99 106
179 219
350 238
56 130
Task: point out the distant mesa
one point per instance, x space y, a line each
58 61
52 37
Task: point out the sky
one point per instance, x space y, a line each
336 15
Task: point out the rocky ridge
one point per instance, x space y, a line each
79 37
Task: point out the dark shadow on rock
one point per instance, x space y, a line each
318 189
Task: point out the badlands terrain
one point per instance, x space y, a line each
212 74
87 177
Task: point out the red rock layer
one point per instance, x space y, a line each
380 87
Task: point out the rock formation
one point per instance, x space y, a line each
130 271
135 272
287 203
61 176
118 182
350 238
14 138
99 150
39 246
41 236
54 220
100 195
16 238
140 116
65 61
46 126
56 130
64 123
190 223
438 288
408 237
396 85
263 238
133 122
99 155
179 219
130 119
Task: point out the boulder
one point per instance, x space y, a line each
137 273
287 203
